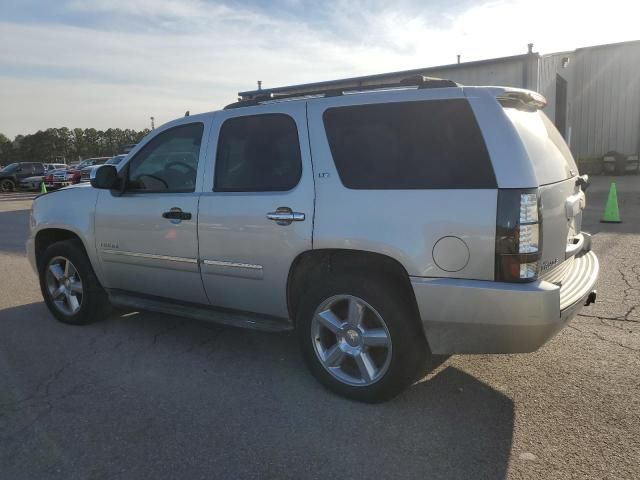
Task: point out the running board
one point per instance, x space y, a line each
231 318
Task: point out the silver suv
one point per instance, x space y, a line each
383 225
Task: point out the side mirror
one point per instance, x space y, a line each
104 177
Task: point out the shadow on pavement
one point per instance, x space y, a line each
163 397
15 230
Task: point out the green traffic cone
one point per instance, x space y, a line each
43 188
611 213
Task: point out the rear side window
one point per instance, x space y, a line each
547 150
258 153
432 144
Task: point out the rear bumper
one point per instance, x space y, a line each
471 316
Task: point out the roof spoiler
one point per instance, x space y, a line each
521 99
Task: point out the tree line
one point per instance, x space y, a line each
66 145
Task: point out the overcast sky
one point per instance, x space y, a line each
114 63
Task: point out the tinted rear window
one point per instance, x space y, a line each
547 150
258 153
409 145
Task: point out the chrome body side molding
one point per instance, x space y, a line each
150 256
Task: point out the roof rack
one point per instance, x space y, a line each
333 89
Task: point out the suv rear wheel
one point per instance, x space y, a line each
69 285
360 338
7 185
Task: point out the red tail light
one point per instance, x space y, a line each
518 234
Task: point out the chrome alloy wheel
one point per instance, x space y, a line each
351 340
64 285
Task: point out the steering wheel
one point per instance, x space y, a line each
140 179
184 176
189 168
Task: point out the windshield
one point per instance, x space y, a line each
84 163
11 167
115 160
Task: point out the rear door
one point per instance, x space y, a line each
38 169
562 199
25 171
256 211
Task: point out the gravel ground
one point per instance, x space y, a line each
148 395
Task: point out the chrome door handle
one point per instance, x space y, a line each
284 216
176 214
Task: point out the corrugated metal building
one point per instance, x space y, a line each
593 93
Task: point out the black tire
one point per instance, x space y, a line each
7 185
410 352
94 304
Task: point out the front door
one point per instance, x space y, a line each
256 210
146 238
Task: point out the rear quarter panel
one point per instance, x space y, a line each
402 224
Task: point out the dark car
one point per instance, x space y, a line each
11 175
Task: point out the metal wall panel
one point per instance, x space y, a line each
509 74
550 67
605 95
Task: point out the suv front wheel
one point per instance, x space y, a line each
69 285
360 338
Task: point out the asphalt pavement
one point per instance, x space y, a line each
144 395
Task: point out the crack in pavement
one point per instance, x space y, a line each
629 289
616 319
604 339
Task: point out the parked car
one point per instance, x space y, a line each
86 171
55 166
13 174
35 182
383 226
73 175
32 183
49 180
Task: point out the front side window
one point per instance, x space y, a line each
434 144
168 163
259 153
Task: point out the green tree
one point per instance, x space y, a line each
5 149
55 144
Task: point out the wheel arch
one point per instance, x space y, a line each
48 236
312 263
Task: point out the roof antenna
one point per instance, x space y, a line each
259 84
186 114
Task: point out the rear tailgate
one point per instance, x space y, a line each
562 200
